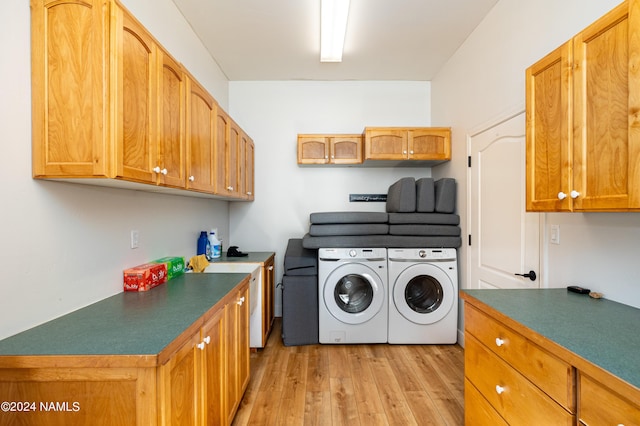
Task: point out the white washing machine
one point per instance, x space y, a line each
423 296
352 290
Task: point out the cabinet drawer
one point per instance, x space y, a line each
599 405
549 373
514 397
477 410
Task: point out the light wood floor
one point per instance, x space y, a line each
354 385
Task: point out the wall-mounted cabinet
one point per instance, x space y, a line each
330 149
112 107
431 144
583 119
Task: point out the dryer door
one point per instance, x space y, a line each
353 293
423 293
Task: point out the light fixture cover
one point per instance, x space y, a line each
333 27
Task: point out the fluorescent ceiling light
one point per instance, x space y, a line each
333 26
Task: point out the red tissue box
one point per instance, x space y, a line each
145 277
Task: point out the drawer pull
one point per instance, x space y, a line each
499 389
499 342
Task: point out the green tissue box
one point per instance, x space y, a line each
175 266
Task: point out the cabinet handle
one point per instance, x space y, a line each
499 342
500 389
200 346
561 195
164 171
192 178
404 152
326 157
248 192
271 268
207 340
229 188
411 152
574 194
241 301
156 169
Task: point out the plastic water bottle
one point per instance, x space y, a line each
202 243
215 244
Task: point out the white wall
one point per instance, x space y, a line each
273 113
64 245
482 82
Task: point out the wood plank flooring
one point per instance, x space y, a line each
354 385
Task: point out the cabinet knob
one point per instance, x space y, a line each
561 195
229 188
499 389
411 152
499 342
192 178
248 192
207 340
241 301
156 169
404 152
271 268
326 157
574 194
164 171
200 346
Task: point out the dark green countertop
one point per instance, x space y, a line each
601 331
252 257
128 323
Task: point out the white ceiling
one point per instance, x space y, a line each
280 39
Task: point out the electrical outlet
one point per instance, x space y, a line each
135 239
555 234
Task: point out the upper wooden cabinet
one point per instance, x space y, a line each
110 103
69 89
431 144
329 149
201 110
583 119
246 172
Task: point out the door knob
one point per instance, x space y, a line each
531 275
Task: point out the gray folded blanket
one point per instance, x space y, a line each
349 229
432 230
424 218
348 217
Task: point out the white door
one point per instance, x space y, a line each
505 239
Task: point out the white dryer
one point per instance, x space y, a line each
423 296
352 290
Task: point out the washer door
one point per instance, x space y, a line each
353 293
423 293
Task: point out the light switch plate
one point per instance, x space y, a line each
135 239
555 234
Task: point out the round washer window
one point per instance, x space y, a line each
353 293
423 294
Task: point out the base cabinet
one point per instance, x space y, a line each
203 383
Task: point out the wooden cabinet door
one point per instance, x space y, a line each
548 132
134 99
345 149
222 126
606 140
237 333
268 274
233 164
201 110
69 83
429 144
249 168
171 128
313 149
386 144
213 335
180 382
